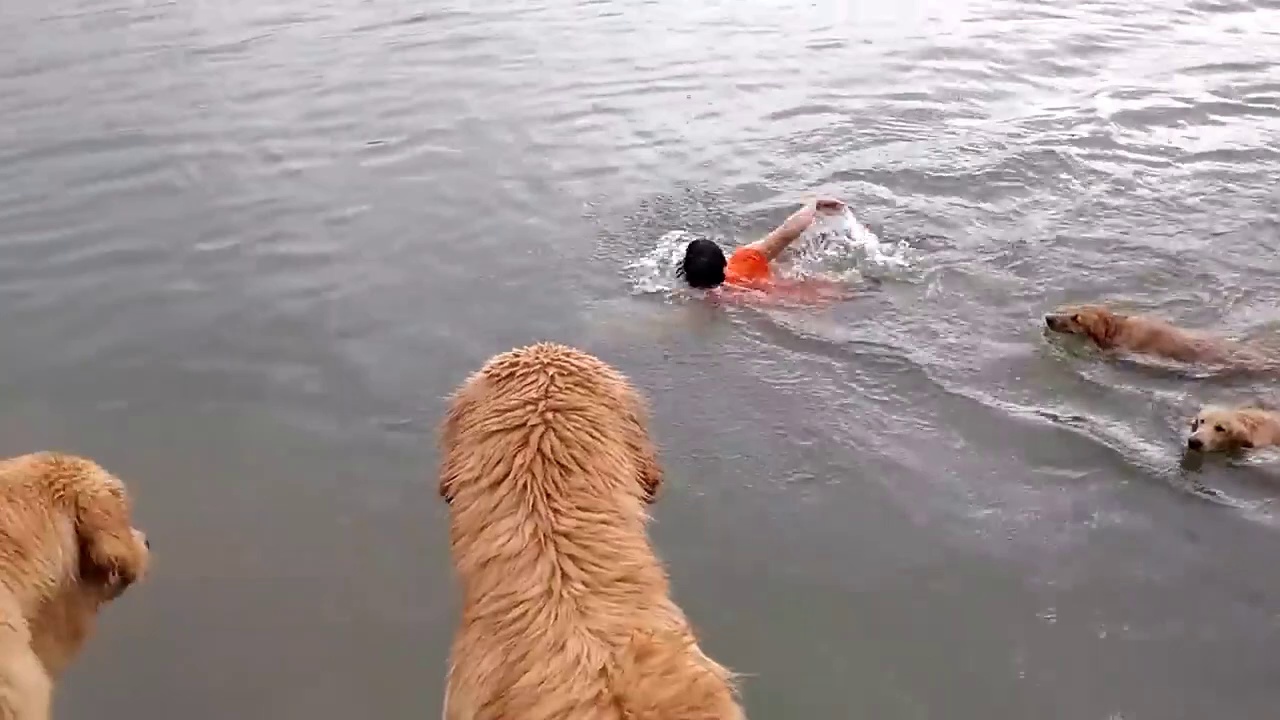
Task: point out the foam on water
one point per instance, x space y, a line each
835 246
655 271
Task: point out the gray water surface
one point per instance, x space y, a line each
247 247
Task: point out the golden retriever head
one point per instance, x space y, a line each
57 487
1216 429
547 420
70 547
1094 322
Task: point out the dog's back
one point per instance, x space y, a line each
1156 336
566 609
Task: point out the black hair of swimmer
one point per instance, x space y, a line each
703 264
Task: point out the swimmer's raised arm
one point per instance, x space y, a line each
772 245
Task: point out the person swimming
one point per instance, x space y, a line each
705 267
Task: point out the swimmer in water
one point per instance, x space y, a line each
704 265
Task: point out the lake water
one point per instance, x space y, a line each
248 247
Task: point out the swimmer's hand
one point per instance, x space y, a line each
793 227
828 205
801 219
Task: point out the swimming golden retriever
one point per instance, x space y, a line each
1220 429
1144 334
67 546
566 611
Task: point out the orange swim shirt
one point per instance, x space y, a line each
747 266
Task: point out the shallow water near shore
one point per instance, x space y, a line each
248 248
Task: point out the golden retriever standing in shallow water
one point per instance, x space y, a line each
67 546
1218 429
1110 330
566 612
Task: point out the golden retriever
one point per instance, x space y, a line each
1218 429
1143 334
67 546
566 611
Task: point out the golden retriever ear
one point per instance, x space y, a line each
448 437
643 451
1101 327
650 471
446 484
1241 430
110 551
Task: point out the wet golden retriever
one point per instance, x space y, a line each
1144 334
566 611
1223 429
67 546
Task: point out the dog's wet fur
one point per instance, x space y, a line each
1144 334
1231 429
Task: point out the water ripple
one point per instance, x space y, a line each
329 212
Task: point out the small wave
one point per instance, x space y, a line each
835 246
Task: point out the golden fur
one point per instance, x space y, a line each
67 546
566 611
1217 429
1110 330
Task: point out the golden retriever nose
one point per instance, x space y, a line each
1195 443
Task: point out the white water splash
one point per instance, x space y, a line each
840 244
835 246
656 271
